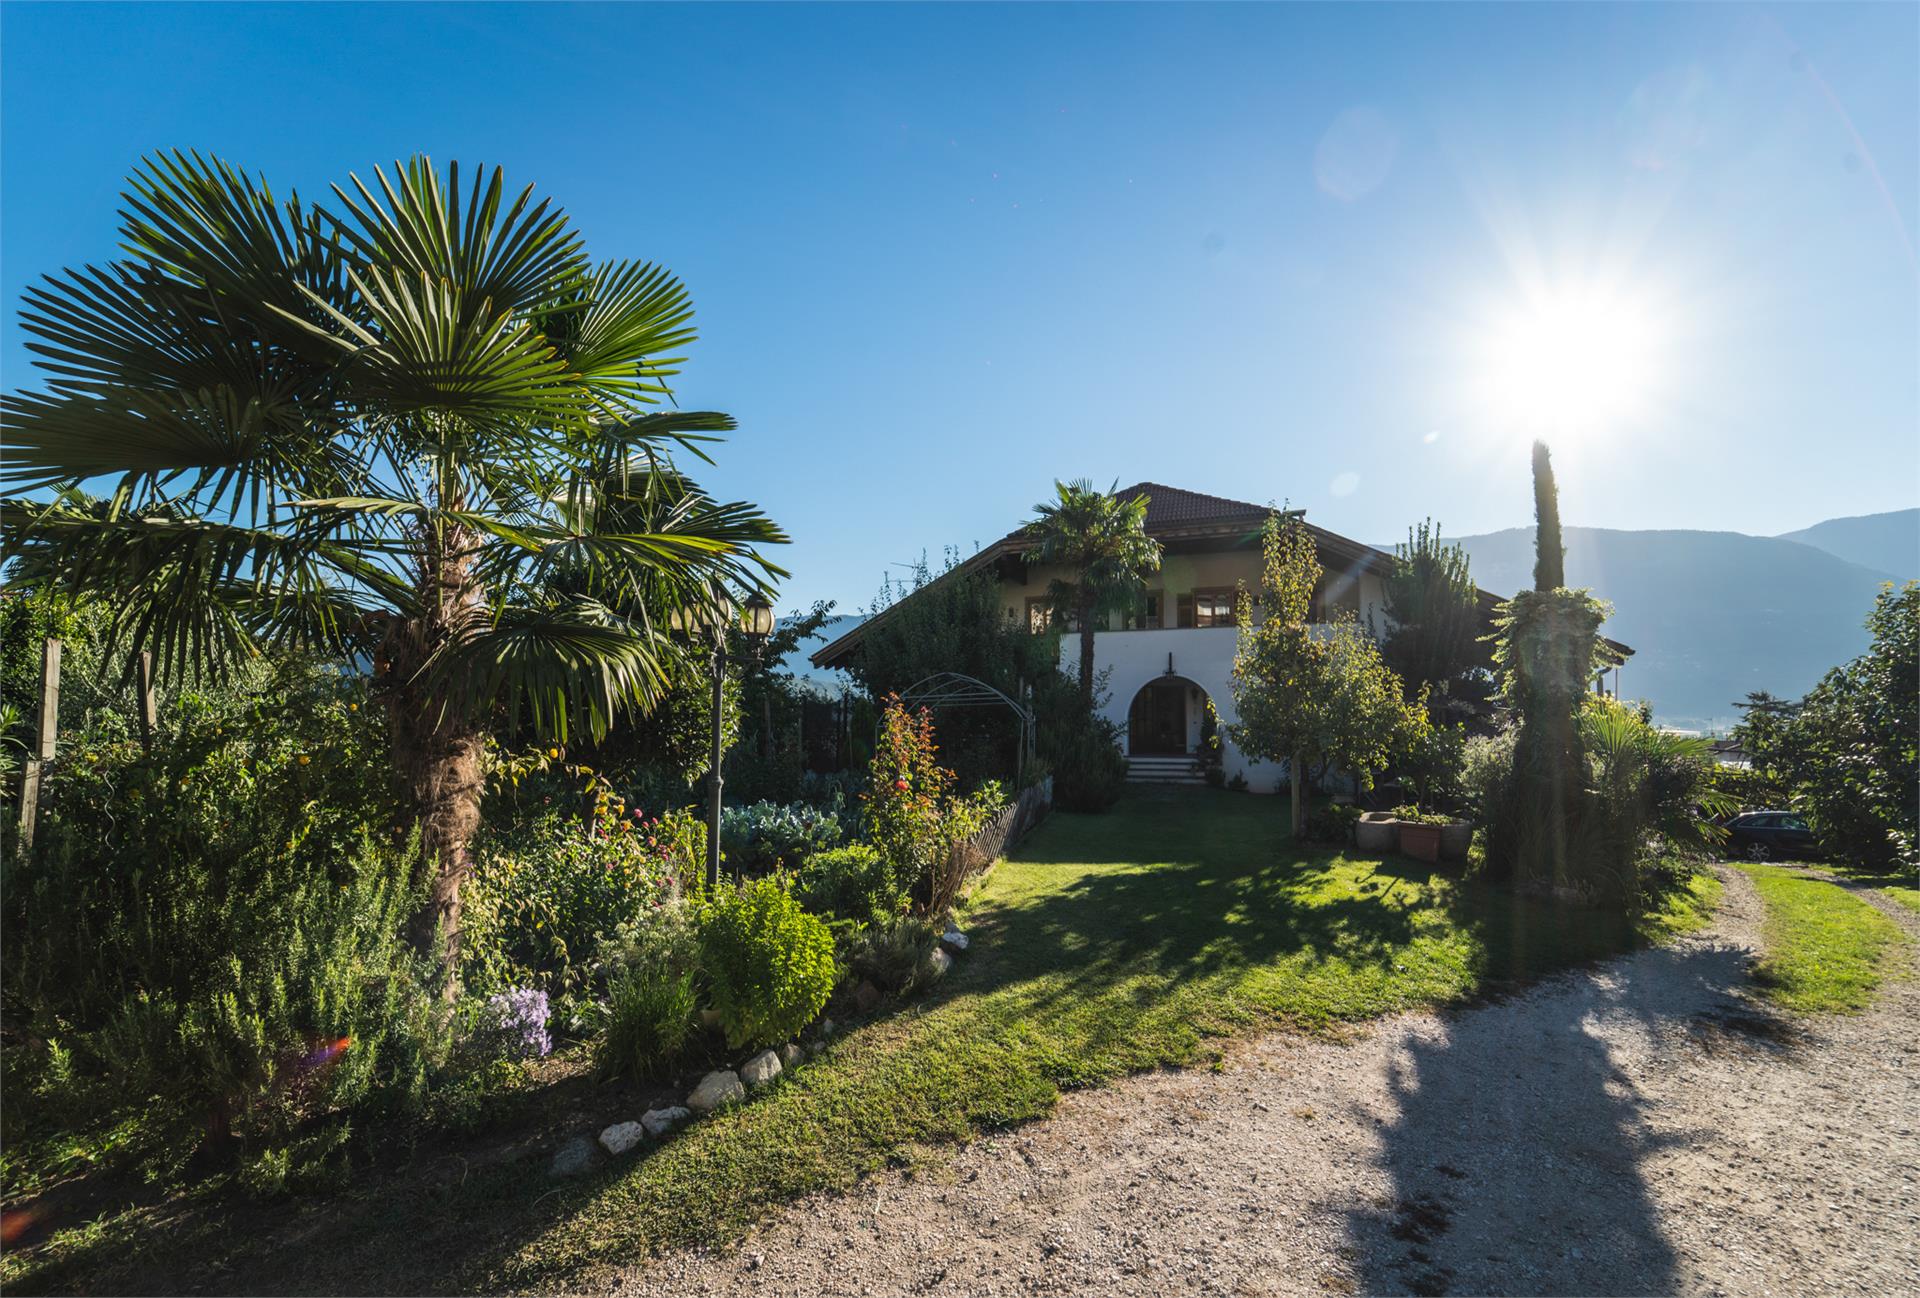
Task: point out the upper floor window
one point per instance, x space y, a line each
1148 615
1208 607
1336 597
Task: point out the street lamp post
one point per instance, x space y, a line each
756 621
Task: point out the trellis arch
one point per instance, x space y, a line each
953 690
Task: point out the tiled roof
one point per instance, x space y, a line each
1169 507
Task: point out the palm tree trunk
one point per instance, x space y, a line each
437 749
439 758
1086 646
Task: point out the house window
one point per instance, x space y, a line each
1336 598
1147 616
1039 613
1210 607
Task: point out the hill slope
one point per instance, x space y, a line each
1889 542
1710 615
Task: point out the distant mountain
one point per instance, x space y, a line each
1710 615
832 684
1889 542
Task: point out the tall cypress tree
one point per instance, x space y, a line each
1550 555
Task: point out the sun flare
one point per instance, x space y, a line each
1571 360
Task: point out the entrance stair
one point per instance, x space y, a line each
1176 768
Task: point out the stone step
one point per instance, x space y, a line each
1163 769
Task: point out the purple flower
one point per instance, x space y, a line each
517 1019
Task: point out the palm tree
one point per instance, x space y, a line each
412 429
1102 540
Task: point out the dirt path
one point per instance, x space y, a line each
1642 1128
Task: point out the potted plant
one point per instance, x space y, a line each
1455 836
1419 833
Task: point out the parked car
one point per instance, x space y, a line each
1769 836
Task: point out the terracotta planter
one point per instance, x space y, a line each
1454 840
1421 842
1376 832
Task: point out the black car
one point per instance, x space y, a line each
1768 836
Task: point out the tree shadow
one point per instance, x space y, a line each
1518 1156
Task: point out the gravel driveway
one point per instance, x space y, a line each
1638 1128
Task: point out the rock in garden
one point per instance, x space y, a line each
709 1018
939 961
789 1054
826 1028
715 1089
622 1136
572 1158
866 996
659 1122
760 1069
955 941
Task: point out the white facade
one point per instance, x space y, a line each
1199 657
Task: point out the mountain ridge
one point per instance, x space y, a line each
1711 615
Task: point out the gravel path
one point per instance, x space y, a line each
1640 1128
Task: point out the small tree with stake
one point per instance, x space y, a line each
1312 694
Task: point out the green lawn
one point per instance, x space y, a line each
1827 950
1110 944
1908 897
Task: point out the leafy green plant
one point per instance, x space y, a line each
764 836
769 964
1333 823
212 933
650 968
892 954
1307 694
856 882
548 888
648 1020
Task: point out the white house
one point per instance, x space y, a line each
1167 660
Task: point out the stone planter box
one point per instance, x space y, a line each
1376 832
1421 842
1454 840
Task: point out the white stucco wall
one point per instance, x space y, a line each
1202 656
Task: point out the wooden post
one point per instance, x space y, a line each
47 736
149 716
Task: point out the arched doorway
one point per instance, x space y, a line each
1164 718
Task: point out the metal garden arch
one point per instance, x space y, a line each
952 690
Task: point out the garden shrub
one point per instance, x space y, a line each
650 1012
1332 823
210 934
648 1019
1089 767
955 857
893 954
513 1024
912 816
769 964
855 882
547 887
764 836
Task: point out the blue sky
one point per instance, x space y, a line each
944 254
